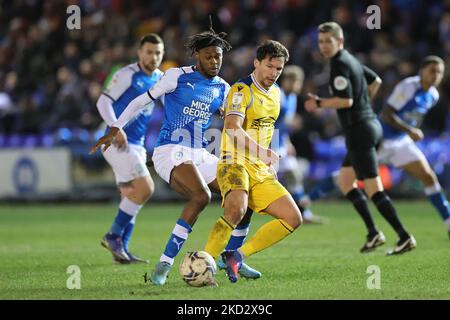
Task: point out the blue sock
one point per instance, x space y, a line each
237 237
321 189
178 237
120 222
440 203
127 234
127 211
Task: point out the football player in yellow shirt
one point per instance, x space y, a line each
245 173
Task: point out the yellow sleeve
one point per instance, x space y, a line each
238 100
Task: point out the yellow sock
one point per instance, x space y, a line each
266 236
219 237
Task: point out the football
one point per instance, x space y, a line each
198 269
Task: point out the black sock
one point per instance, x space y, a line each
300 207
359 201
385 206
245 221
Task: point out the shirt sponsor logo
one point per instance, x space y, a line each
266 122
199 110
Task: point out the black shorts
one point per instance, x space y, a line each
362 141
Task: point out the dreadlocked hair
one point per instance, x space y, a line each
207 39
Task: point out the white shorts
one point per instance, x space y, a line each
168 156
399 152
129 164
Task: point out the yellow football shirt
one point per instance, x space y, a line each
260 109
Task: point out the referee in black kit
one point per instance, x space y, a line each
352 85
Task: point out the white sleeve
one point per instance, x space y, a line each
133 108
106 110
225 95
167 84
120 82
401 94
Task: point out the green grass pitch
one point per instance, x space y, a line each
39 242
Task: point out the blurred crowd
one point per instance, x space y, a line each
51 77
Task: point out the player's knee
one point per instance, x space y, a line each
345 185
234 212
293 218
147 192
346 181
201 198
429 178
297 220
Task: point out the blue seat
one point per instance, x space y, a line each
46 140
14 141
31 141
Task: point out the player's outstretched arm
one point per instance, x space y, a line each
166 84
106 140
133 108
129 113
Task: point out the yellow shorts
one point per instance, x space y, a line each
260 193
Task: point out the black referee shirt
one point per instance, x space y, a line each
349 79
